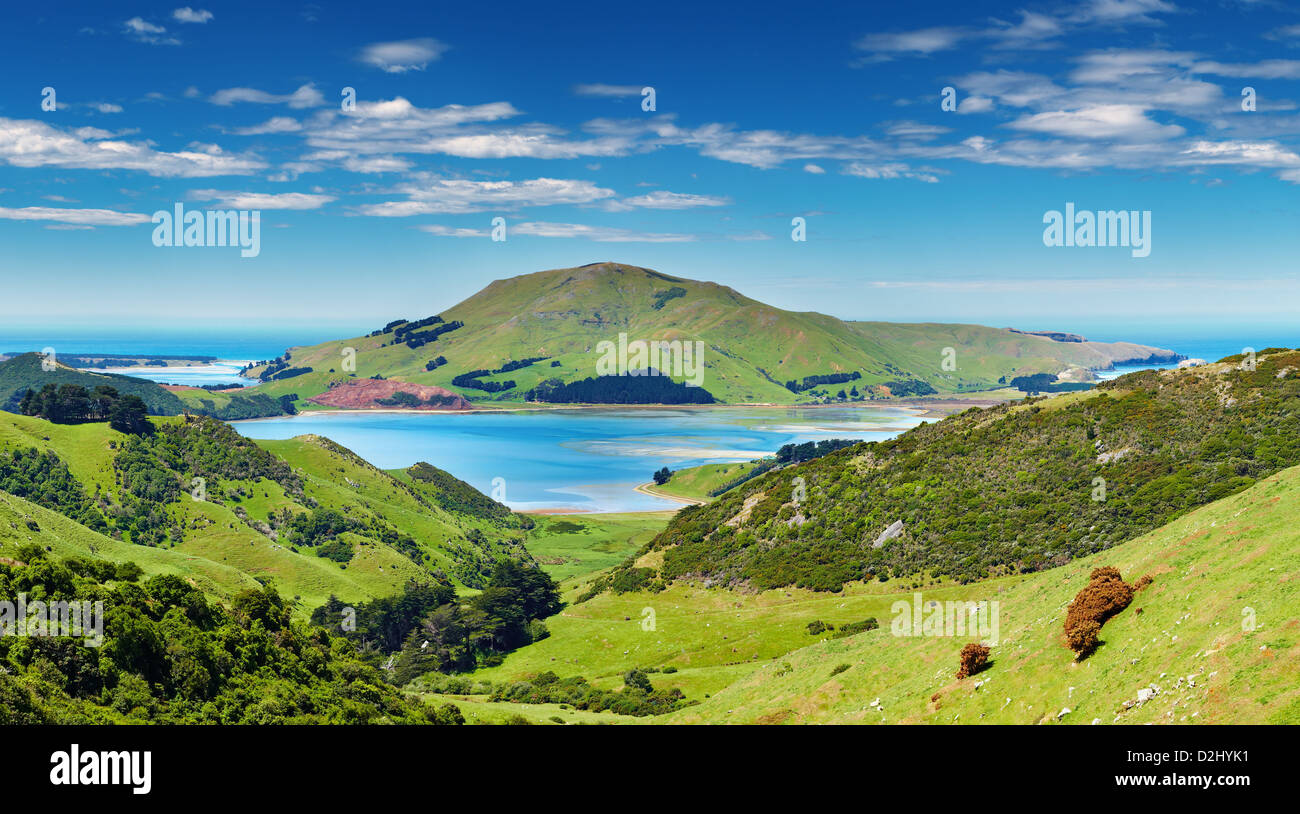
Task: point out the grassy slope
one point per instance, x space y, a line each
697 481
216 539
69 539
1240 552
25 372
564 313
602 541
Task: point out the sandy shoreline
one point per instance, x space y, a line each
649 489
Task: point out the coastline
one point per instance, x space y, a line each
648 488
920 408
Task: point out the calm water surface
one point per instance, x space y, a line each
581 460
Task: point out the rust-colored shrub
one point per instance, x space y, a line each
1143 582
974 657
1105 595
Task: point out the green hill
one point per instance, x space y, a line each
549 325
1013 488
263 510
748 657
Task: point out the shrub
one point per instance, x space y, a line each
839 669
1105 595
973 658
853 628
817 627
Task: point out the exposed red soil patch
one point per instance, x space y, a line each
362 394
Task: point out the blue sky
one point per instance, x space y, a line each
763 112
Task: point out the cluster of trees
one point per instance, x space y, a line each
430 629
435 363
171 656
409 400
662 476
473 381
809 382
638 696
1009 489
510 367
455 495
74 404
154 470
252 405
795 453
910 387
387 328
1046 383
44 479
273 367
650 389
419 340
662 298
285 373
403 329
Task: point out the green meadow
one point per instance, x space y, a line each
1218 637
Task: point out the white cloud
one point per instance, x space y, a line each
599 234
305 96
77 217
402 56
396 126
975 104
458 196
375 164
1287 33
662 199
766 148
138 29
814 169
1257 153
30 143
607 90
1121 11
105 107
923 41
1099 122
1267 69
915 130
889 171
449 231
1033 31
189 15
262 200
275 124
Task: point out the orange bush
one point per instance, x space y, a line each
1105 595
974 657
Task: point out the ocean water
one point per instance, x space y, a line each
231 340
581 459
222 371
232 344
